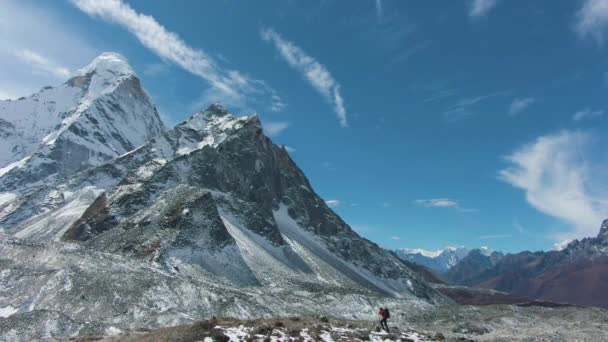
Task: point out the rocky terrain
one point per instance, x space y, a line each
442 323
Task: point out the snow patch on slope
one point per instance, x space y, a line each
6 197
53 224
294 233
7 311
18 164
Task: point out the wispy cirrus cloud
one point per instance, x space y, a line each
560 180
520 104
592 20
333 202
587 113
41 64
480 8
437 203
443 203
228 86
274 128
314 72
467 107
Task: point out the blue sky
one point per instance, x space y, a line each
422 123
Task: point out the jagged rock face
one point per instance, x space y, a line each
94 117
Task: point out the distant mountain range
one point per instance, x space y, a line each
440 260
577 274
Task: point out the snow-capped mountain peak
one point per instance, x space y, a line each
440 260
209 127
423 252
435 253
107 65
95 116
103 76
487 251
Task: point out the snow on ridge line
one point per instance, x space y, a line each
15 165
217 128
424 252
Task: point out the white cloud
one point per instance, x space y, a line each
230 87
519 104
480 8
41 64
395 238
558 181
313 71
437 203
333 202
592 19
587 113
386 204
290 149
275 128
444 203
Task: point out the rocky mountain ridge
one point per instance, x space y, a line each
438 261
158 226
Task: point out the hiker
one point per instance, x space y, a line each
384 314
